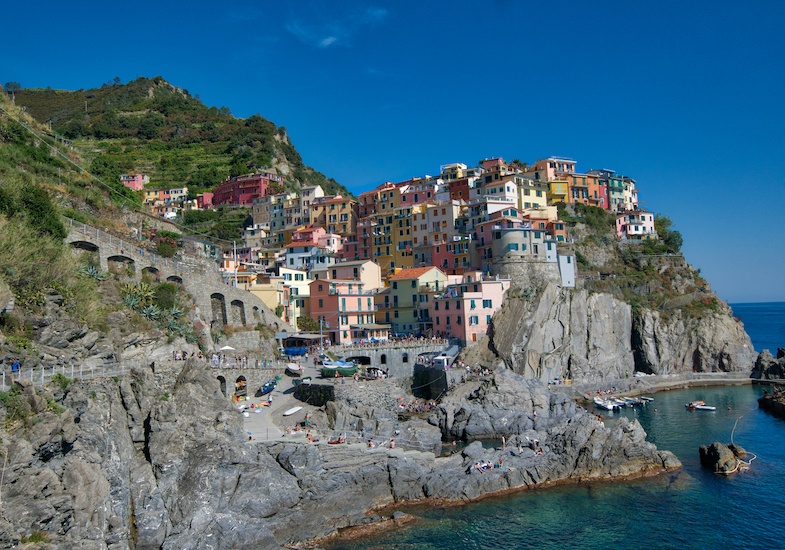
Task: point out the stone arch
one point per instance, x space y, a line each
119 264
405 357
256 314
175 279
238 312
383 359
153 272
218 306
359 359
85 245
222 382
241 386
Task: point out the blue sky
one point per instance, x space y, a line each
685 97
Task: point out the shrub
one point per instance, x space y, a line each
61 380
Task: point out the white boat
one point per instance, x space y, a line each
294 368
604 404
291 411
646 399
699 405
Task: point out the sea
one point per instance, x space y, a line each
691 508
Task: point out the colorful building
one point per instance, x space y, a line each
464 310
243 190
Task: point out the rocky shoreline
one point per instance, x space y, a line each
126 465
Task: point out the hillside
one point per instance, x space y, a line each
150 126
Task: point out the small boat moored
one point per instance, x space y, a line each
294 369
699 405
268 386
605 404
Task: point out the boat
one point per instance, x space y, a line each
646 399
699 405
291 411
618 402
333 371
294 369
303 380
632 401
268 386
605 404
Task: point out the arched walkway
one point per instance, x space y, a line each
85 245
175 279
218 303
238 311
153 272
360 359
119 264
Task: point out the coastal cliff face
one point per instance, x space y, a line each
591 337
125 465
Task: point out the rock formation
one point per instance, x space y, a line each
773 403
123 464
588 337
769 368
721 458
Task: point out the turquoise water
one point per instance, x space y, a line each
687 509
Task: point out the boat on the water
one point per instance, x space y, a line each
605 404
268 386
699 405
646 399
294 369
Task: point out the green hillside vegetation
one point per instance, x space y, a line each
38 185
649 274
149 126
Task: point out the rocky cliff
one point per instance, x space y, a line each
124 465
586 337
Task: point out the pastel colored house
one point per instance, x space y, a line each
410 293
135 181
465 309
635 225
346 309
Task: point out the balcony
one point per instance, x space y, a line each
354 309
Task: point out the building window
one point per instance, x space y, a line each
487 303
321 302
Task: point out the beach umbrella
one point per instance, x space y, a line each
226 348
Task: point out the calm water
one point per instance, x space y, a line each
688 509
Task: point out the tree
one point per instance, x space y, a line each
307 324
12 87
672 239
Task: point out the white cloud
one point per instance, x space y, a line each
336 27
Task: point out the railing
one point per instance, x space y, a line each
42 375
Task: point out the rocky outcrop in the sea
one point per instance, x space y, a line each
773 403
124 464
769 368
721 458
590 337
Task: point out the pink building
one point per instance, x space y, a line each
466 308
635 224
347 310
242 190
135 181
204 201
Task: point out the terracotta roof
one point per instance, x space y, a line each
412 273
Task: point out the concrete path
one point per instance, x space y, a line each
270 424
